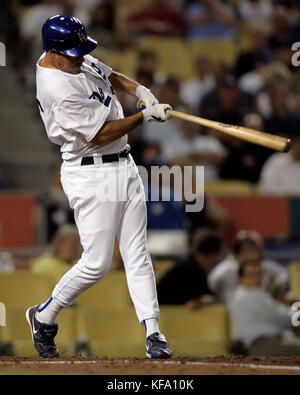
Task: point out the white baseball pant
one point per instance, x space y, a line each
100 222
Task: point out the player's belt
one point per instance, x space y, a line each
89 160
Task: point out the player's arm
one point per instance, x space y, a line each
113 130
123 83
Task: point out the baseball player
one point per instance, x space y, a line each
82 114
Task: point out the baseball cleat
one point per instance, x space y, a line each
157 346
42 334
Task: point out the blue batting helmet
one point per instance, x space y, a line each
67 35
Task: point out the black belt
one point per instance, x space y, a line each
89 160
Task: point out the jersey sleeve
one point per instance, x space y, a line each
81 116
103 67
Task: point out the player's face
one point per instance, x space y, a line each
69 64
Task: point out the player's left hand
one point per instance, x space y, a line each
156 113
145 95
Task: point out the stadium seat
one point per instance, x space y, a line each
24 289
124 62
110 293
295 277
217 51
112 333
235 188
196 333
172 52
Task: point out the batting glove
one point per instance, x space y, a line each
156 113
146 96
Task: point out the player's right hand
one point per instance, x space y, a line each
156 113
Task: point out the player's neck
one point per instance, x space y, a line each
47 62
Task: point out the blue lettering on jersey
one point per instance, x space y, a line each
101 97
40 106
99 71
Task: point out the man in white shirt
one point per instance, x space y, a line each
281 173
193 90
82 114
261 323
223 279
189 148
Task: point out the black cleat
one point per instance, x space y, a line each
42 334
157 346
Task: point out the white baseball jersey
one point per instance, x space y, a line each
74 107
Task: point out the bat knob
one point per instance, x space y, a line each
287 146
140 105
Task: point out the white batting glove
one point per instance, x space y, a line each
145 95
156 113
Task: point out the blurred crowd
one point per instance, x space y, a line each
259 90
254 290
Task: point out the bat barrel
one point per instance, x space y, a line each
277 143
271 141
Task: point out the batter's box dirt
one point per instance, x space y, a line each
223 365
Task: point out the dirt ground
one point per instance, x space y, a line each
221 365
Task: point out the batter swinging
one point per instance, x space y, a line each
82 114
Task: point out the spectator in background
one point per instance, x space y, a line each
148 63
286 31
248 246
101 26
210 19
189 148
55 204
245 160
159 17
258 53
64 251
226 103
283 120
282 36
192 91
255 10
281 173
261 323
163 133
272 74
186 282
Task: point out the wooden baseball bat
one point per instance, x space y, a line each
267 140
